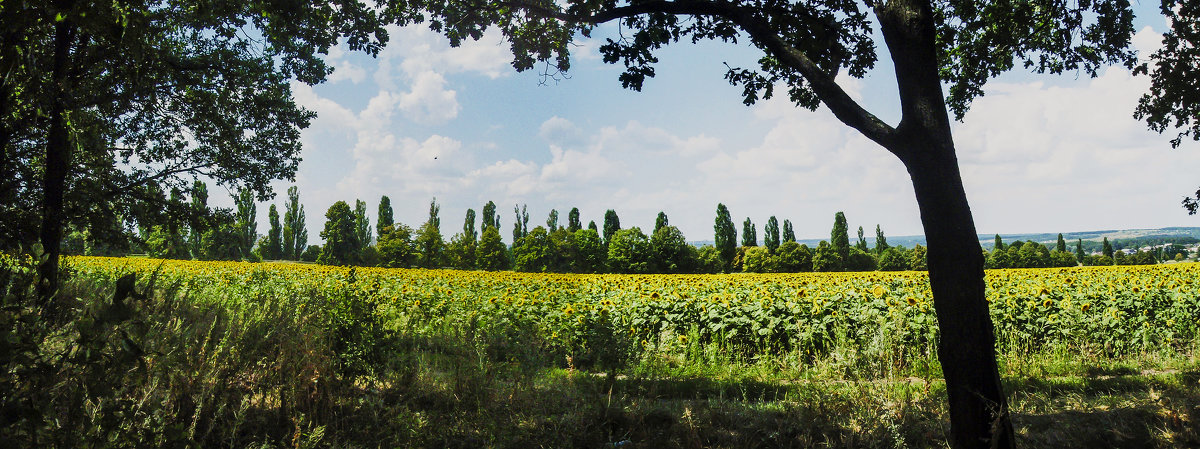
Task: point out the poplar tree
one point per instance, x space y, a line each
295 235
384 218
490 219
725 236
362 227
839 238
1061 246
771 234
246 222
789 234
573 223
749 234
881 244
862 241
661 221
612 224
1079 254
274 249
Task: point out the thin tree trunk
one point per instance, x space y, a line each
58 159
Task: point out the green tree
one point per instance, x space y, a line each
860 260
749 234
758 260
893 259
826 258
771 235
341 237
161 243
274 243
660 221
247 221
592 226
918 259
1107 248
221 241
612 224
573 222
430 246
671 251
789 234
881 244
295 235
1079 254
725 236
629 251
460 253
591 256
385 217
839 238
490 219
862 241
1061 245
520 226
362 227
999 244
563 251
198 91
198 219
552 221
395 246
491 254
794 257
535 253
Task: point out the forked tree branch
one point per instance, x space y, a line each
823 84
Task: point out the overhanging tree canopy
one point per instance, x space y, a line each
956 45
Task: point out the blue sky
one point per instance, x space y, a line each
1038 153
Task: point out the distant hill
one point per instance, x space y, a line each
1130 238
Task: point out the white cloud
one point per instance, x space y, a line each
429 102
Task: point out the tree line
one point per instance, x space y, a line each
190 229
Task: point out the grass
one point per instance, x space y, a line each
162 366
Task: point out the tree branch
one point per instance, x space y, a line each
823 84
128 187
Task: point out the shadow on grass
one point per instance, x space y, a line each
1135 411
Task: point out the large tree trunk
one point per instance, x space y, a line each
58 158
978 408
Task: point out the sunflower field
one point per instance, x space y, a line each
606 320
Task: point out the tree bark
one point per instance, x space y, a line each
978 408
58 159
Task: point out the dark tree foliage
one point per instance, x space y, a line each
274 243
999 244
660 221
490 219
1079 254
881 244
789 233
341 239
552 221
771 234
573 222
862 241
362 226
1060 245
749 234
725 236
839 237
247 221
100 99
612 224
295 235
385 217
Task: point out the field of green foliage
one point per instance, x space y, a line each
270 355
